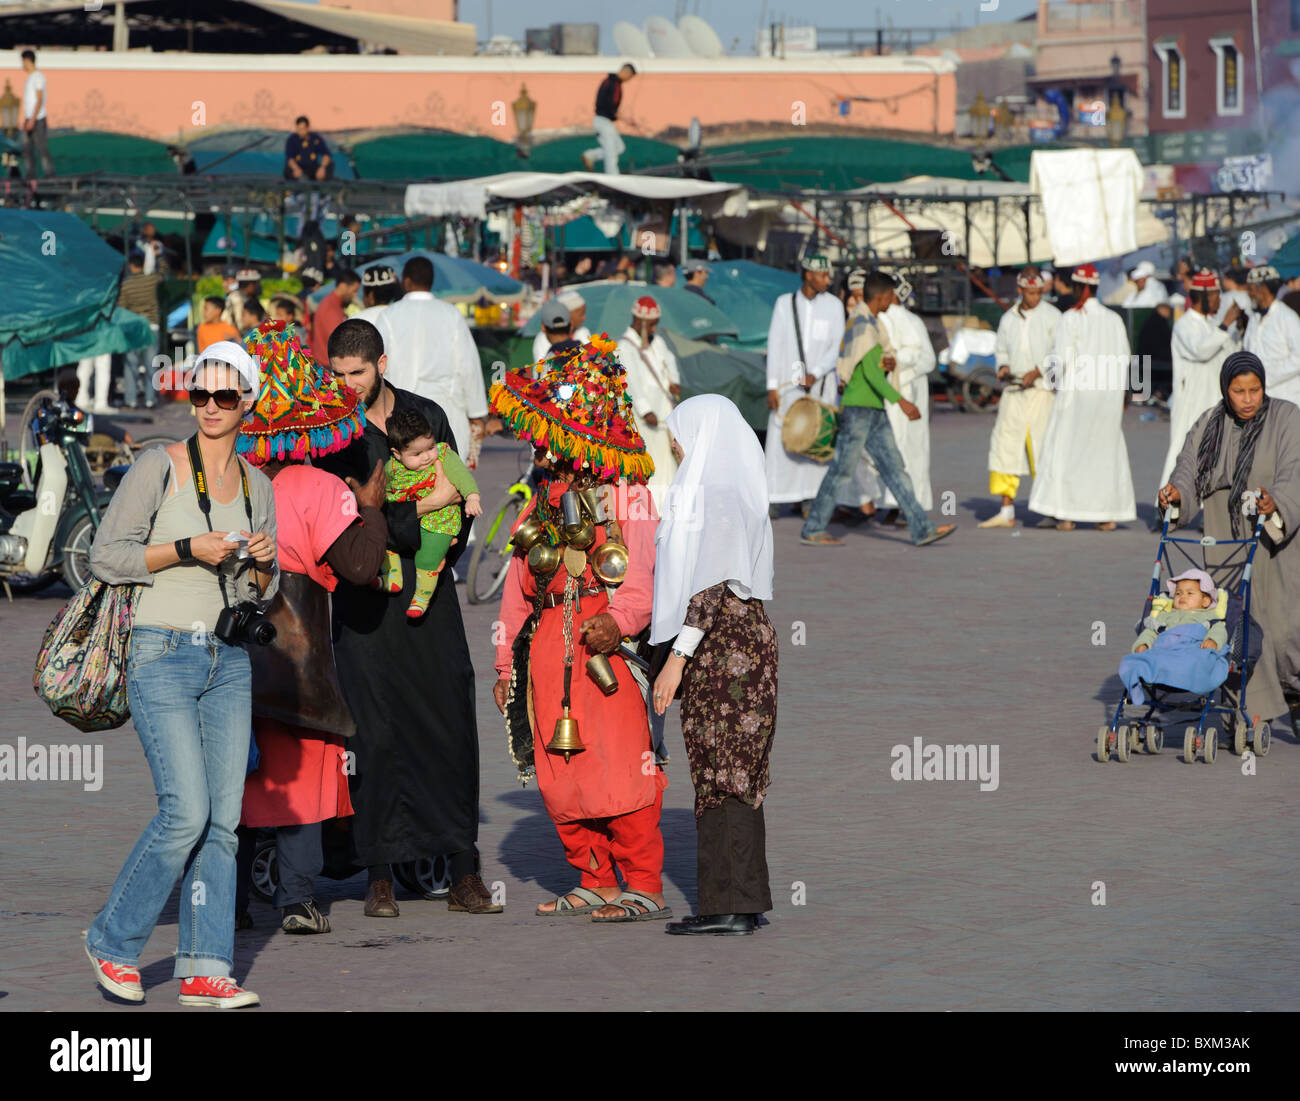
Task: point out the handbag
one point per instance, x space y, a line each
81 665
295 680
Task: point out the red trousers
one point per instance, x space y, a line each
632 841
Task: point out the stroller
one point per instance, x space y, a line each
1230 563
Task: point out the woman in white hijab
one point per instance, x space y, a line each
713 570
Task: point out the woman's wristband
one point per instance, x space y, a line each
183 550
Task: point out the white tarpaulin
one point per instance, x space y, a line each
1090 199
920 205
469 198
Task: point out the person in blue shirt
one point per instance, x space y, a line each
306 156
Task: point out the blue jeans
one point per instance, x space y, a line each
137 378
192 707
864 428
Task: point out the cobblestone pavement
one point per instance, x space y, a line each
889 894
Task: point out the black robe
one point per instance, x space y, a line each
410 685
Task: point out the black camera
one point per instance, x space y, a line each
244 623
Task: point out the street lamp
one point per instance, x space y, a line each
9 104
1116 115
525 112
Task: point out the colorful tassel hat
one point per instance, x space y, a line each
579 410
302 410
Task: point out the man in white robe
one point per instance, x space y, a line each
1150 291
1274 334
1199 348
1235 293
654 385
432 353
800 363
1084 474
1026 335
379 290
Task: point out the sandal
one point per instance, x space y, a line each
936 535
631 903
1064 525
1109 525
565 908
821 539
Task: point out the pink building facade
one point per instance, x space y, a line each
166 95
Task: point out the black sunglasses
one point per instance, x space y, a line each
225 399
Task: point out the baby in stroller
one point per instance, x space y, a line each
1183 640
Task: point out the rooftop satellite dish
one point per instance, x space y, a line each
665 39
700 37
630 40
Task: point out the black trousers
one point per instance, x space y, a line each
299 858
732 860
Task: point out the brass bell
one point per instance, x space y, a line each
528 533
609 563
580 538
602 672
565 739
544 558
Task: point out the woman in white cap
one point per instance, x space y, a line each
713 570
195 527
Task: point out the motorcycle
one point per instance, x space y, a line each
46 530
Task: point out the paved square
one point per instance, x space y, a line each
889 894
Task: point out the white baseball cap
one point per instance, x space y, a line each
1144 270
232 353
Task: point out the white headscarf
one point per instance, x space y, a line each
715 525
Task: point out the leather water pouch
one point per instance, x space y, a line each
294 679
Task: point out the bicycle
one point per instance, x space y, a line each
490 561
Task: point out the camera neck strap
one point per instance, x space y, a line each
205 501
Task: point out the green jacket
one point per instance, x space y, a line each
869 385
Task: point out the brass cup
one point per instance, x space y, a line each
528 534
582 537
609 563
592 504
600 670
571 510
543 558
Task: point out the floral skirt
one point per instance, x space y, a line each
729 705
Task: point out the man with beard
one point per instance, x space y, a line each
408 682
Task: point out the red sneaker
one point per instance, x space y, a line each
118 979
216 990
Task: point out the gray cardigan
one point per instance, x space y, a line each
117 555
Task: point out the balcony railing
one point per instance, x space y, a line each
1077 18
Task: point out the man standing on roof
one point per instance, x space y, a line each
36 140
608 98
306 156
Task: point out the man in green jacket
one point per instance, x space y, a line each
863 369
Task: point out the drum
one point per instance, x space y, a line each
809 429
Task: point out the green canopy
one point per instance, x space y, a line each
843 163
609 310
583 235
122 332
83 151
1287 259
60 279
432 155
565 154
261 153
745 292
735 374
263 250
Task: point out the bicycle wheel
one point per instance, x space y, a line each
491 558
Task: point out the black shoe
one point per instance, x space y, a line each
303 917
717 925
243 920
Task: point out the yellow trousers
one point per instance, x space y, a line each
1006 485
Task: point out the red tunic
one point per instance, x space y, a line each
301 777
614 775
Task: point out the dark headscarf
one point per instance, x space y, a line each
1207 455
